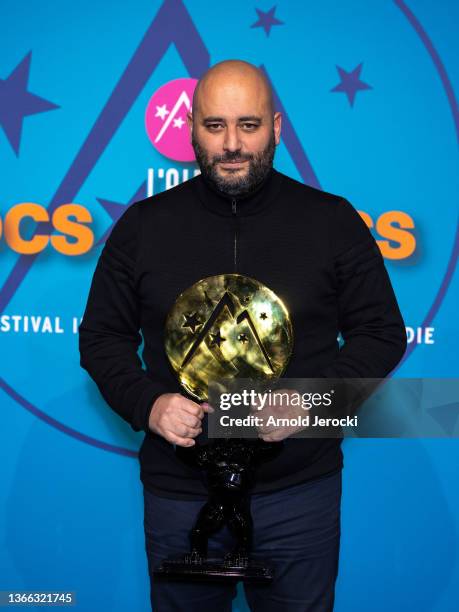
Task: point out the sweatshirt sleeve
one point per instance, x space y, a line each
109 335
369 317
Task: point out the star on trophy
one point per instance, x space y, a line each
225 327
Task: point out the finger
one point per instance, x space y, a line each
184 431
207 407
264 427
180 441
192 408
273 437
266 432
265 436
189 419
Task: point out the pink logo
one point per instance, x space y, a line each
165 119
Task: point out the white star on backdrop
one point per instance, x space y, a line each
161 111
178 122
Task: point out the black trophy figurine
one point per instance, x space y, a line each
228 466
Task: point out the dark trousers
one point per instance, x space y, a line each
297 530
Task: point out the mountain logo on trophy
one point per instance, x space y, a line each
225 305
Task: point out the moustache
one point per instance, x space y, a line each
228 159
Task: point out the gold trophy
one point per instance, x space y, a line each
224 327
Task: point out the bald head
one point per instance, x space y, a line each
231 77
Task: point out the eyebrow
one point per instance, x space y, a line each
246 118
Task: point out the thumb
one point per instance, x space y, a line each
207 407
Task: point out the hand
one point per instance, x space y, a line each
284 410
177 419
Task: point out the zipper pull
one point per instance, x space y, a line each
233 208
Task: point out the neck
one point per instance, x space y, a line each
221 203
245 196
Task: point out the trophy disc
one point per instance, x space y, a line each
224 327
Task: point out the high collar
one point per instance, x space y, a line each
222 204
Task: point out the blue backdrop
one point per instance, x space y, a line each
367 92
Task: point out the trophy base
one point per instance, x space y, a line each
229 568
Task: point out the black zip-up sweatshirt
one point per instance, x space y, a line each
310 247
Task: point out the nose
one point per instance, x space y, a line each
231 142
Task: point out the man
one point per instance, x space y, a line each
315 252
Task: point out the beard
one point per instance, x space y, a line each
234 185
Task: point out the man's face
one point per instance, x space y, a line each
234 135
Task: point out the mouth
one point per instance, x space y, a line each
233 164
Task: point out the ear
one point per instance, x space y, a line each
277 127
189 120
